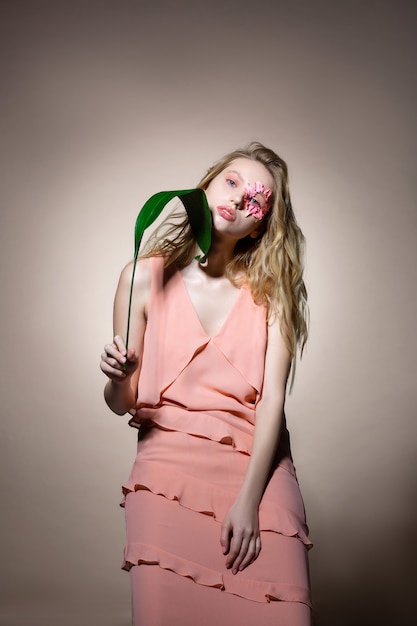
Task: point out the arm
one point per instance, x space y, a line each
240 538
120 391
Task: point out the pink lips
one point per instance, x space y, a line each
227 213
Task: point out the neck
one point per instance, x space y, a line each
218 257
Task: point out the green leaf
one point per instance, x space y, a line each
199 216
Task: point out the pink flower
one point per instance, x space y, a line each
256 199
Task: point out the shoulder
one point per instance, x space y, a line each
142 280
142 275
275 336
278 355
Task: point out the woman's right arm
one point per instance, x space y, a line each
120 366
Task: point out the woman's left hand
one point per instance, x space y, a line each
240 538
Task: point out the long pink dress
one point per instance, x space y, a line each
196 413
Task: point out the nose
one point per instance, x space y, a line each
238 199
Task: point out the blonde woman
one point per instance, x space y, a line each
216 530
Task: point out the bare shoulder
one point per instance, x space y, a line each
275 338
142 279
141 288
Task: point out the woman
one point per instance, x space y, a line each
215 521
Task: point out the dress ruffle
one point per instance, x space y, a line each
207 425
227 429
158 475
191 494
258 591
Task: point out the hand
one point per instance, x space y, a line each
240 538
117 363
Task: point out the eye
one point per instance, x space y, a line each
231 182
254 201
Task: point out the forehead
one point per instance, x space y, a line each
251 171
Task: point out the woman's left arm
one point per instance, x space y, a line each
240 538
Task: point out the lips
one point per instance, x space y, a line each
227 213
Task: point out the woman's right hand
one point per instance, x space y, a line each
117 363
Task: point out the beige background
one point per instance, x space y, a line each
105 103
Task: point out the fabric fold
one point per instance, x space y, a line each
196 478
258 591
233 430
189 338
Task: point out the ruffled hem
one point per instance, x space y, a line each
214 499
258 591
192 494
207 426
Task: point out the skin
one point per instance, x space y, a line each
213 296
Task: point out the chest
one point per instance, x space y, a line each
213 301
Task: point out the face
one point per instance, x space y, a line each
239 197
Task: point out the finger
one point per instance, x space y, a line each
258 546
131 355
110 350
249 557
119 343
111 366
110 371
244 547
111 361
225 536
235 547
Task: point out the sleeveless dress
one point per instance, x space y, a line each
196 412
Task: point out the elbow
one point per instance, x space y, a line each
119 405
272 403
118 410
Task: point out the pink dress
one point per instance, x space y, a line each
196 412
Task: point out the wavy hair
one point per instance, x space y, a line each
271 264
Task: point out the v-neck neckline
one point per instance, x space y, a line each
196 316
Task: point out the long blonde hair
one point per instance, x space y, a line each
271 265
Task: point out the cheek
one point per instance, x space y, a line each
214 191
208 193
